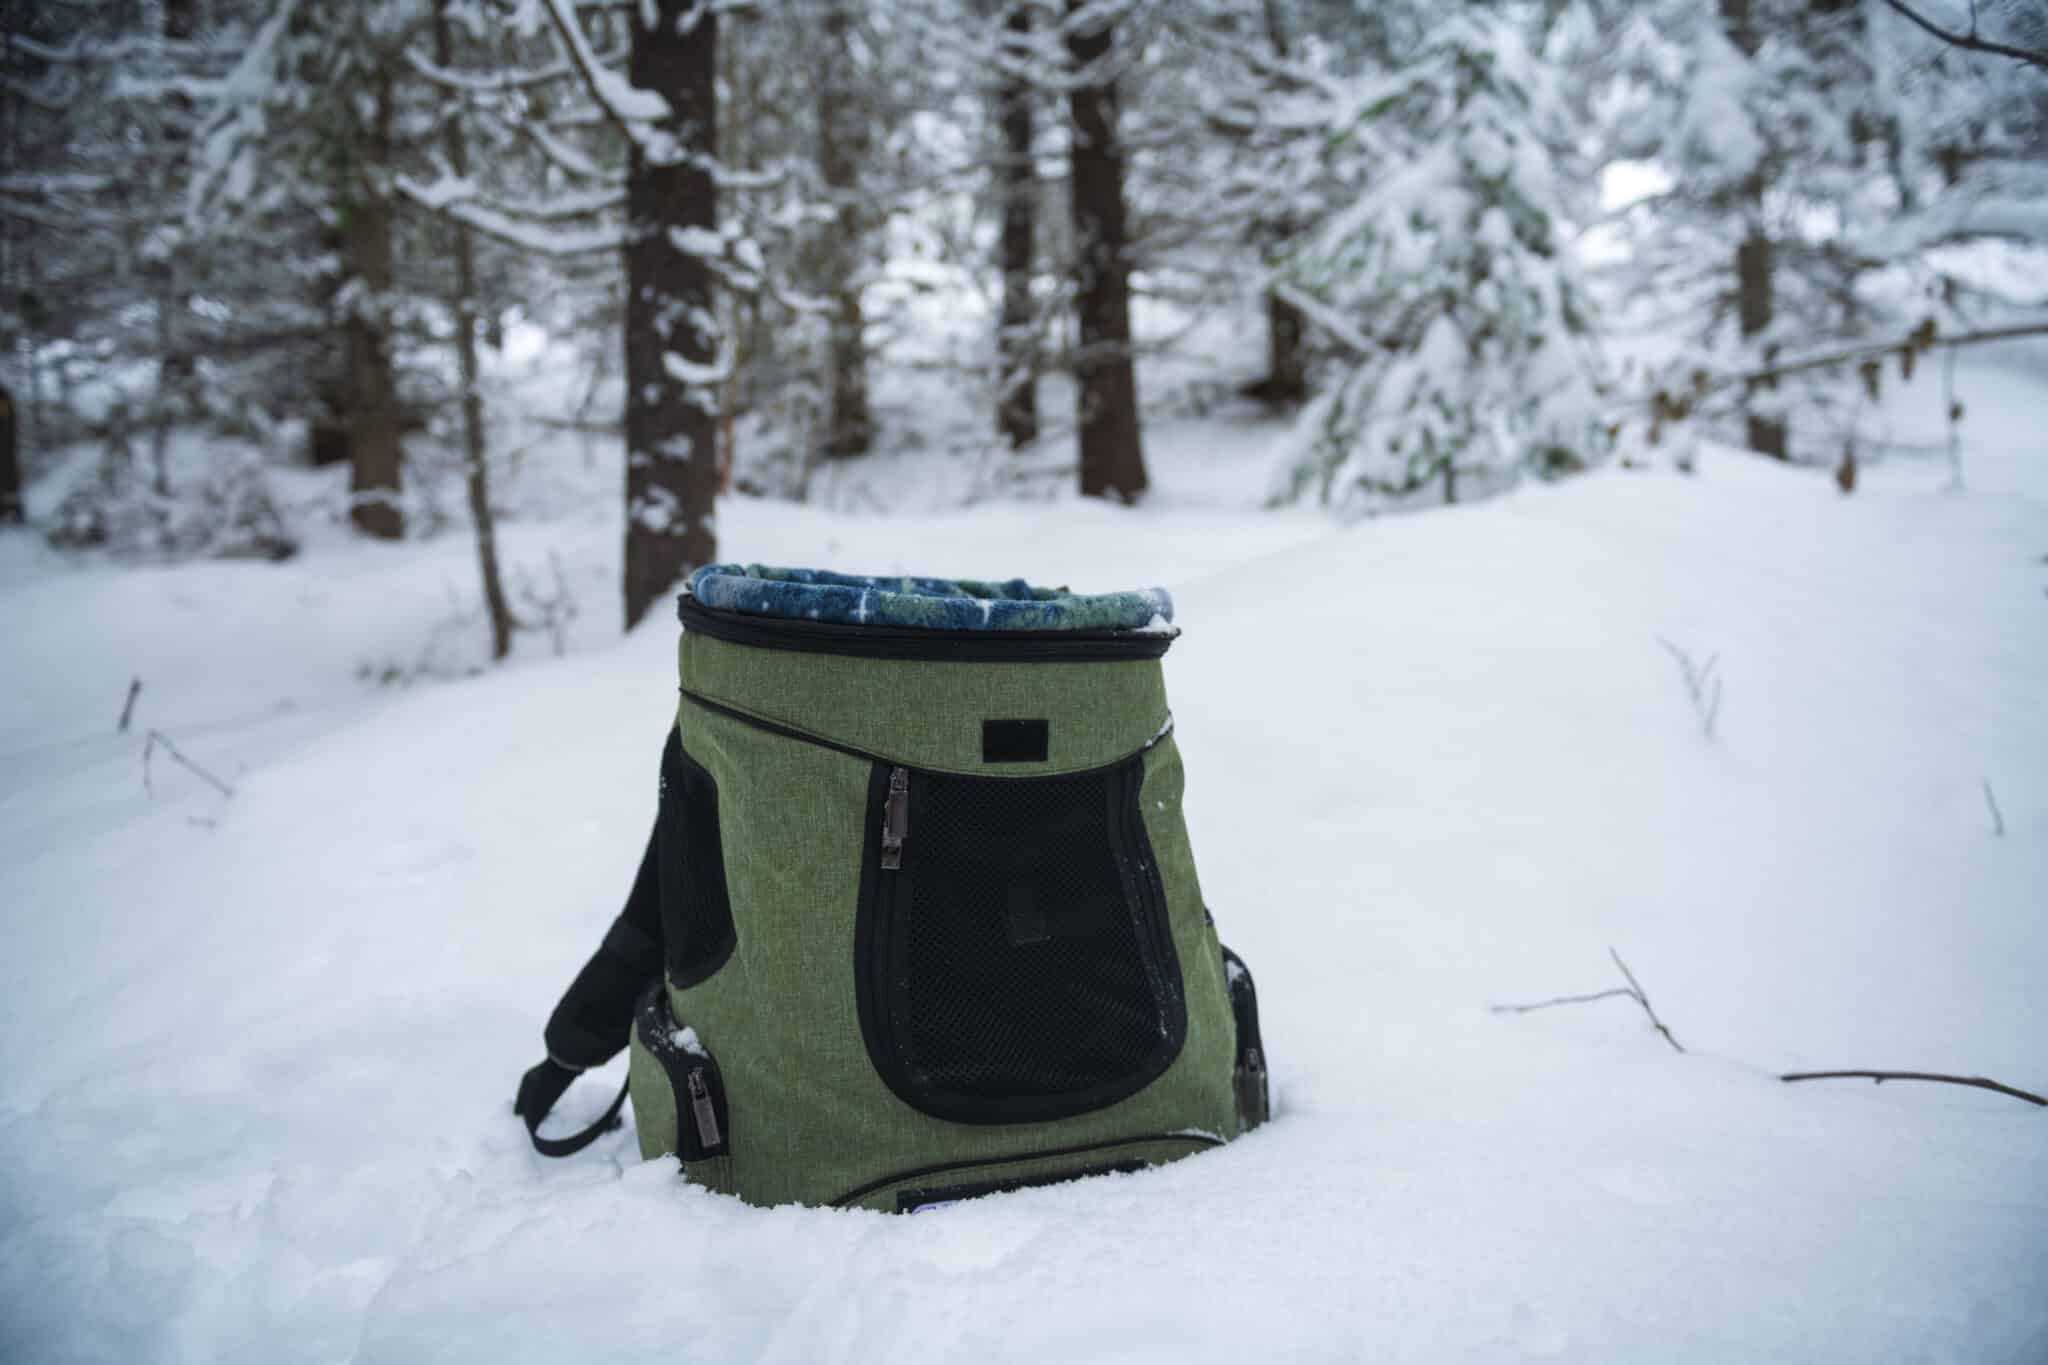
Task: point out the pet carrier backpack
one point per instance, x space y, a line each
918 919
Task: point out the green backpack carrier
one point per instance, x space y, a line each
918 920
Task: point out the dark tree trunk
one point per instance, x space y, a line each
671 424
375 456
476 467
842 154
180 18
1753 283
1112 458
1286 379
1016 339
10 461
1753 254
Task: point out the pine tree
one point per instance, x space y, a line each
1448 279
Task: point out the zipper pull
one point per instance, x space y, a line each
700 1105
895 819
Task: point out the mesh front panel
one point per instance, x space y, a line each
1022 954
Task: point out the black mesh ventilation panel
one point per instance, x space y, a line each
696 912
1021 951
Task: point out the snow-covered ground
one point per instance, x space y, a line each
258 1051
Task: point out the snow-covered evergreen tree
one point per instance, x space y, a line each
1826 162
1447 276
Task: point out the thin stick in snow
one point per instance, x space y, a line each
1997 816
1880 1077
1701 684
1586 999
128 707
158 737
1633 991
1642 999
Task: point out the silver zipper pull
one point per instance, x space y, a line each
895 819
700 1105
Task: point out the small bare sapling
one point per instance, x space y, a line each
1702 684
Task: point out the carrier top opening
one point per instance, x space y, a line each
933 604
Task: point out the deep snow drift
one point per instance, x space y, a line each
258 1052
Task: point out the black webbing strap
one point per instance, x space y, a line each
595 1015
539 1089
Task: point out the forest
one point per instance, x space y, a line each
1483 242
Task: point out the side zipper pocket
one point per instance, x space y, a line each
696 1089
1248 1078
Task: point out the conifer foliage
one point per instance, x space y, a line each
1445 278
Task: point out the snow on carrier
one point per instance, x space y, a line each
918 919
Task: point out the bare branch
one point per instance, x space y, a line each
158 737
1880 1077
1997 816
1968 41
128 707
1632 991
1644 1001
1563 1000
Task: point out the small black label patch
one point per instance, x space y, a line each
1014 741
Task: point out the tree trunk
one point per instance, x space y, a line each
1112 458
1753 285
842 155
671 424
1753 254
375 457
168 378
1016 339
476 468
10 462
1286 378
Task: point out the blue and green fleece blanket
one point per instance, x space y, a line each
926 603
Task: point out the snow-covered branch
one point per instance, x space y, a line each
633 111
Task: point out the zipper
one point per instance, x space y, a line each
702 1109
910 642
895 819
947 1168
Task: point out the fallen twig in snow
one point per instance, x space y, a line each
1642 999
1880 1077
1633 991
1563 1000
1997 816
158 737
1701 684
128 707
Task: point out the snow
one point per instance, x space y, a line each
258 1051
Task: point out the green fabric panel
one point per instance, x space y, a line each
929 715
811 1118
1032 1168
714 1175
654 1100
